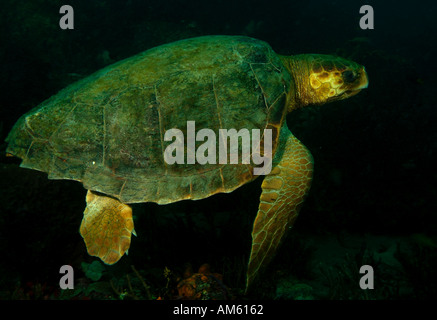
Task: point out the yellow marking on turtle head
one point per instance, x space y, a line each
332 80
335 78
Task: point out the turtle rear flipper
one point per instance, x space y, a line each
106 227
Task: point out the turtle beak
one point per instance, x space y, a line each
361 83
364 81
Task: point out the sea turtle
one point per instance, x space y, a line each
108 132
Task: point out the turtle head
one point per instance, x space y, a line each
323 78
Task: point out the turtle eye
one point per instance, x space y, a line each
348 76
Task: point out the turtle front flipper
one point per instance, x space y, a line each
283 193
106 227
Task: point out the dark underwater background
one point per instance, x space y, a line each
373 197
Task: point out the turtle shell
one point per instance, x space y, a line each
107 129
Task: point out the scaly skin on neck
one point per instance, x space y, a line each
319 79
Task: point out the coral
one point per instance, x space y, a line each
419 260
203 285
343 279
94 270
292 290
